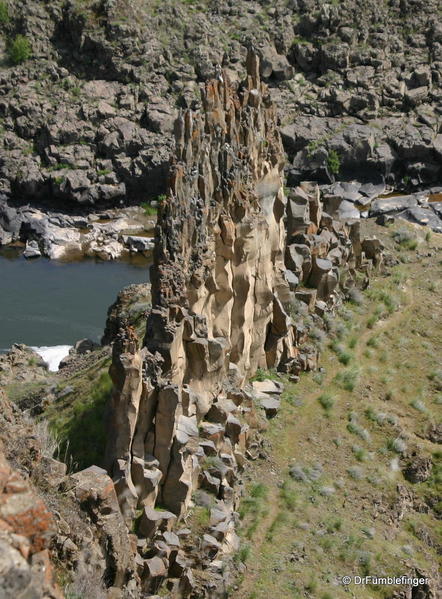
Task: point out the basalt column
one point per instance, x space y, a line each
218 291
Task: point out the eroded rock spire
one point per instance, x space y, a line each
218 290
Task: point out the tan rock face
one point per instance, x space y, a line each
218 290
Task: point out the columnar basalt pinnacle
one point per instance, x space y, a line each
218 291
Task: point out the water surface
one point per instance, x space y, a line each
46 303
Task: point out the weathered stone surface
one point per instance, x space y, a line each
393 204
95 492
418 469
152 520
26 529
181 416
236 237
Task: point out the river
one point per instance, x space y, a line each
49 303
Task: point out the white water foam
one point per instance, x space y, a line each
53 355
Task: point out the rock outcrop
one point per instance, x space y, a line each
26 528
218 291
228 285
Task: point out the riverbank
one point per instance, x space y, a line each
107 234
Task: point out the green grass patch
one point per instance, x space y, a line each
4 13
79 422
149 210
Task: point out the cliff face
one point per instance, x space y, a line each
218 290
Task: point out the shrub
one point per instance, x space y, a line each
263 375
354 428
373 342
356 473
352 342
405 239
397 445
377 417
318 378
347 379
333 162
354 296
4 13
344 357
317 335
326 401
19 50
372 321
50 445
359 453
243 554
419 405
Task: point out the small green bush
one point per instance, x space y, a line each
344 357
4 13
259 491
333 162
326 401
405 239
242 554
347 379
19 50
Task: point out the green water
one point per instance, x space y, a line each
44 302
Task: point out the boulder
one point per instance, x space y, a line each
268 386
372 248
320 268
152 520
392 204
424 216
270 405
418 469
274 65
96 494
32 250
138 244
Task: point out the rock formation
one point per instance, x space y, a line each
224 279
218 290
